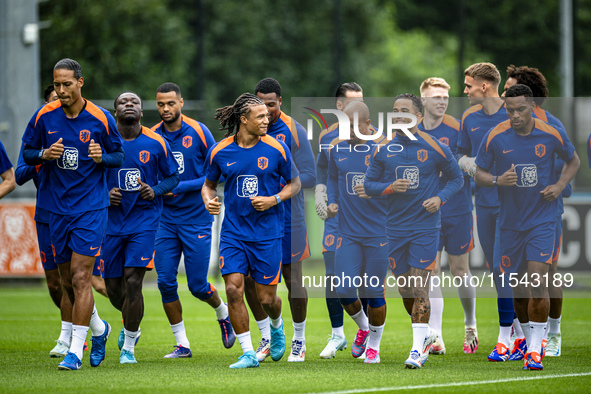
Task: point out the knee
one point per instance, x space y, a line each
233 293
54 286
168 291
376 302
405 292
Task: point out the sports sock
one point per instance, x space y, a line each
517 327
338 331
180 334
419 333
505 336
66 332
375 336
526 332
264 328
245 341
436 299
96 324
554 325
468 299
276 323
299 331
537 333
79 334
221 312
130 337
361 320
335 311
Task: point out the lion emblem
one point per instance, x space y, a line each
248 186
131 180
529 176
180 159
412 174
69 159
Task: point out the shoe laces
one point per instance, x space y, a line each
371 353
296 347
262 344
360 337
470 335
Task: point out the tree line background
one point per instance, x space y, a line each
217 49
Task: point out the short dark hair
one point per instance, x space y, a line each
268 85
347 87
531 77
69 64
417 103
47 92
169 87
127 91
519 90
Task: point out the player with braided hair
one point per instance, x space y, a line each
253 165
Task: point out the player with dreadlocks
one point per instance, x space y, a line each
253 165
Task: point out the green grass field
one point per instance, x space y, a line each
29 324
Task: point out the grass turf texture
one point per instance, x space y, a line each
29 325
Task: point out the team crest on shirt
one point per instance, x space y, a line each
144 156
128 179
354 179
540 150
280 137
247 186
263 162
180 159
367 160
527 175
444 140
422 155
69 159
411 173
84 136
187 141
506 261
329 240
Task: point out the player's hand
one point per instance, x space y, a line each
400 185
146 192
214 206
360 190
55 151
468 165
332 210
95 152
551 192
115 197
509 178
261 203
432 204
321 199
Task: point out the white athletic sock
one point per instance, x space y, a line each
505 336
419 333
221 312
264 328
79 334
554 325
517 328
66 332
361 320
276 323
180 334
468 299
96 324
537 333
526 332
299 331
436 317
375 336
245 341
130 337
338 331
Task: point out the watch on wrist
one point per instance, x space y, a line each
41 153
278 198
495 180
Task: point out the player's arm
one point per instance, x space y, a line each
464 151
167 184
113 159
320 195
374 184
24 172
551 192
8 183
332 188
304 159
209 193
262 203
455 180
33 156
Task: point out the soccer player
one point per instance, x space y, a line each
185 225
295 239
362 247
536 81
345 93
75 141
134 215
456 213
253 165
407 172
523 150
487 110
8 183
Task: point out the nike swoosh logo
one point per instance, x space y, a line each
474 128
52 132
202 236
425 261
267 277
229 164
295 254
463 246
344 158
384 244
145 258
395 154
544 254
95 248
507 151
